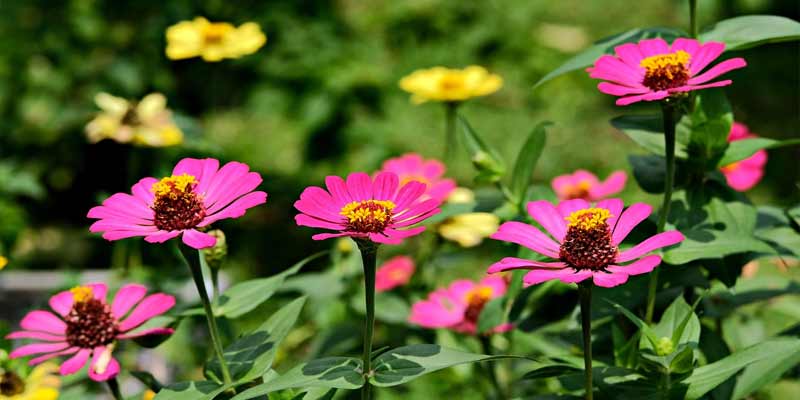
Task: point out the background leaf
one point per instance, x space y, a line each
332 372
404 364
752 30
526 160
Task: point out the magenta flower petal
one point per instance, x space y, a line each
658 241
744 178
151 306
567 207
38 348
395 272
652 96
61 303
237 208
604 279
35 335
147 332
100 369
127 297
412 167
612 185
161 236
43 321
528 236
548 217
202 169
688 45
198 240
620 90
459 306
704 55
631 217
614 206
512 263
652 47
689 88
408 194
311 222
717 70
385 186
76 362
50 356
629 54
566 275
638 267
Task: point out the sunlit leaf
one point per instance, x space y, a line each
752 30
332 372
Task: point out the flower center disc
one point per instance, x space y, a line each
215 32
368 216
89 323
587 244
578 191
666 71
176 205
476 300
11 384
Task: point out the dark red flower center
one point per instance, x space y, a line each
476 301
11 384
587 244
90 323
666 71
368 216
176 205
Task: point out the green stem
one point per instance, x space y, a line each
192 259
585 292
369 251
450 130
693 18
214 282
668 112
113 386
491 373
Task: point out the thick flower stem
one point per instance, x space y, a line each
585 293
113 386
668 111
192 259
693 18
486 347
450 130
369 251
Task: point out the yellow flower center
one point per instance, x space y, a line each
730 167
587 244
666 71
368 215
176 205
411 178
398 275
588 219
451 81
82 294
578 191
476 300
216 31
173 186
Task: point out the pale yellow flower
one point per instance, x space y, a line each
461 195
450 85
3 262
469 230
144 123
42 384
148 395
213 41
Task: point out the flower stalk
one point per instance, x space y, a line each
369 251
585 293
693 18
491 373
450 112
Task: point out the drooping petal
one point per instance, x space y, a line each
76 362
631 217
605 279
512 263
198 240
151 306
620 90
548 217
48 337
103 365
658 241
161 236
126 297
652 96
566 275
689 88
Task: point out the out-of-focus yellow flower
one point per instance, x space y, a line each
213 41
469 230
3 262
144 123
451 85
461 195
148 395
42 384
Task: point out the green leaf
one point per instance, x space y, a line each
741 149
332 372
764 372
625 351
549 371
679 323
389 307
148 380
492 315
200 390
151 341
645 329
752 30
707 128
404 364
485 158
648 131
648 170
526 160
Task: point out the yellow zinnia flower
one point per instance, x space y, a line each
42 384
469 230
3 262
146 123
451 85
214 41
148 395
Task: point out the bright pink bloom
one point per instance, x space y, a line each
743 175
197 194
586 242
393 273
459 306
379 210
652 70
583 184
85 326
412 167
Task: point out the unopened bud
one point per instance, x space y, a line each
216 254
664 346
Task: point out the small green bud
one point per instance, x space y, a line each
664 346
216 254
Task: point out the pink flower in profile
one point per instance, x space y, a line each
380 210
584 244
412 167
395 272
459 306
653 70
583 184
85 326
743 175
197 194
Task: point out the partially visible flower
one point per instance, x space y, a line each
197 194
743 175
41 384
450 85
459 306
653 70
85 326
148 395
586 242
583 184
144 123
469 230
412 167
213 41
378 210
461 195
3 262
397 271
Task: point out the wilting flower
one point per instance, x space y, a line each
87 326
652 70
584 185
459 306
586 242
450 85
214 41
412 167
743 175
379 210
41 383
197 194
469 230
144 123
395 272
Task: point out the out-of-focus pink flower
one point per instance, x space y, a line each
583 184
743 175
412 167
85 326
653 70
393 273
584 242
197 194
459 306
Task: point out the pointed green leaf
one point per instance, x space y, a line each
752 30
404 364
201 390
484 157
332 372
549 371
741 149
764 372
645 329
526 160
648 131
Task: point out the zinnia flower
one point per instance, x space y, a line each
379 210
41 384
743 175
87 326
652 70
3 262
145 123
586 242
450 85
459 306
412 167
584 185
397 271
469 230
197 194
213 41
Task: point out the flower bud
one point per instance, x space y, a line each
216 254
664 346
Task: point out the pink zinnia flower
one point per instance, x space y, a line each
197 194
393 273
652 70
459 307
743 175
412 167
586 242
583 184
361 208
85 326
